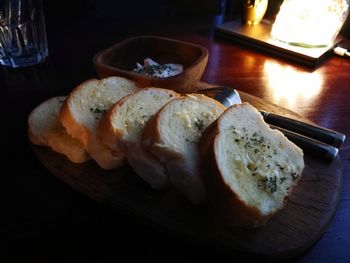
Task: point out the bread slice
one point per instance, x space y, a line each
122 127
249 169
45 129
83 109
173 135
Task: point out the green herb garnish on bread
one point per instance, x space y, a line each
173 135
84 108
122 126
249 169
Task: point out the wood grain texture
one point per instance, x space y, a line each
42 216
289 233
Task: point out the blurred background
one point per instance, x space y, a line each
111 9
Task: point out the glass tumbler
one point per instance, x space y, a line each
22 33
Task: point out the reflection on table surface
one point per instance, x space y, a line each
40 210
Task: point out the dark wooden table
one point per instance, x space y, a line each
43 219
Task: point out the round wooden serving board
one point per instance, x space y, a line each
290 232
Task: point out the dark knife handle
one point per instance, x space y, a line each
316 132
309 145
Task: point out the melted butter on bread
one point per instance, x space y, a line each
250 169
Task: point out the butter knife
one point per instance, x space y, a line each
229 96
322 134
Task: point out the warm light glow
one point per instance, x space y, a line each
291 86
310 22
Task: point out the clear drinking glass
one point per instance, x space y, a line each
22 33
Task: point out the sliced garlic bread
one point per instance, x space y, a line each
45 129
122 127
173 135
249 169
83 109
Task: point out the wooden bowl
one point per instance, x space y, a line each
121 58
